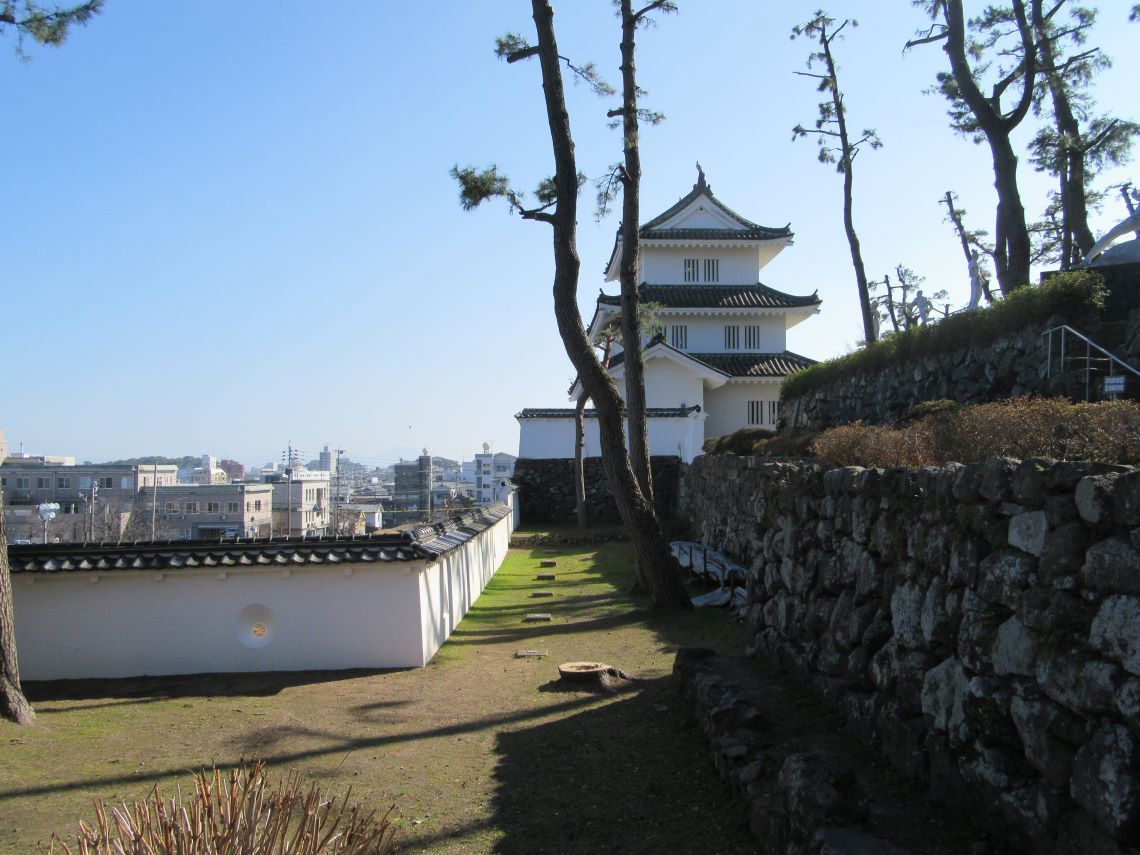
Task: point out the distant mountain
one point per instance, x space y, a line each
189 461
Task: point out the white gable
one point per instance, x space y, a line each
701 213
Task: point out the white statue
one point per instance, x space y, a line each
977 282
923 305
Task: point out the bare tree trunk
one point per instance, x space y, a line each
13 705
580 509
1071 157
960 228
630 261
1011 236
651 552
869 334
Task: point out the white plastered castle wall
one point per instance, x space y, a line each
319 617
666 265
728 405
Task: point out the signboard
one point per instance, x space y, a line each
1114 384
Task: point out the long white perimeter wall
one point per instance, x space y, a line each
320 617
546 439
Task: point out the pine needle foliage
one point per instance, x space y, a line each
1071 295
241 813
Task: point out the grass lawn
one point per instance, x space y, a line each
479 752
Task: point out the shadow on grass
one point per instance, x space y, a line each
141 690
543 629
243 746
628 776
631 773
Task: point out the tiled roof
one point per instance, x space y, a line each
750 230
757 233
758 296
755 364
739 364
426 542
568 412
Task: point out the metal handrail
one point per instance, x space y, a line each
1113 359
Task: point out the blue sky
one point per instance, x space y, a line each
231 225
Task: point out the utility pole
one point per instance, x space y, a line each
91 509
336 495
289 463
154 503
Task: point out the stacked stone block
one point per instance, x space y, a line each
980 623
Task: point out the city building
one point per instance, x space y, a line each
717 360
412 489
95 500
234 470
492 469
212 511
301 502
209 472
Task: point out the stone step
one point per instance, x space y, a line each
530 654
549 562
536 617
542 594
545 577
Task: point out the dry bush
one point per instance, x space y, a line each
242 814
1023 427
739 442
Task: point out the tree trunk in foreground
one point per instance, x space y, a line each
1011 236
848 157
13 705
651 553
580 509
1075 231
630 250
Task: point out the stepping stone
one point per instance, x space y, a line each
536 617
548 563
530 654
545 577
542 594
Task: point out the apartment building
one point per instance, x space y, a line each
213 511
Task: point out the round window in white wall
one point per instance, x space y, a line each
255 625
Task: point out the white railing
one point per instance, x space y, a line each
1112 360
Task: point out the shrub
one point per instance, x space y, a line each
1072 295
739 442
1024 427
760 442
244 815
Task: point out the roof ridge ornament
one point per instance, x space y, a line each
701 183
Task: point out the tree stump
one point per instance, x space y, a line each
594 676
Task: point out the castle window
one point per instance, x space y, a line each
755 412
773 411
752 337
712 269
692 269
679 336
732 337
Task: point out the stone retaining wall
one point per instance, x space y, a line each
1008 367
546 488
980 624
